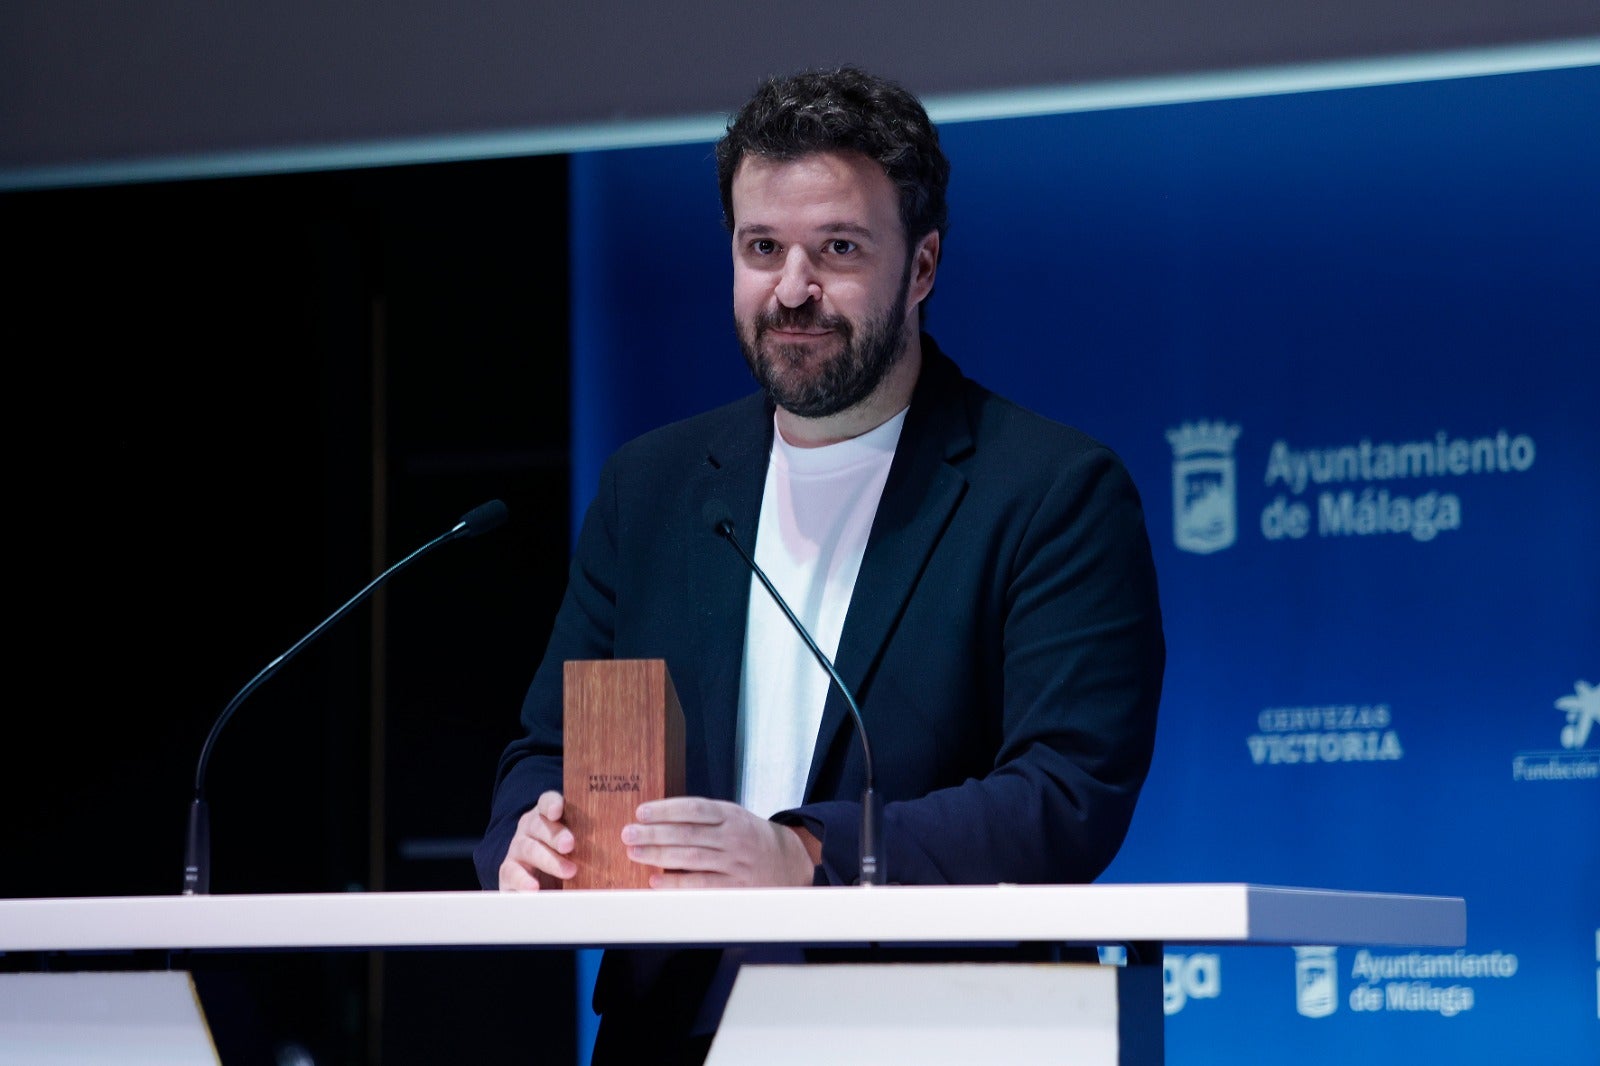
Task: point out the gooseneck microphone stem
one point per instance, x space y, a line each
197 848
874 870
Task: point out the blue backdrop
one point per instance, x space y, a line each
1346 342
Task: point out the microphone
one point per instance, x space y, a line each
197 851
874 869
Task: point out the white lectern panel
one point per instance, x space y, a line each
103 1019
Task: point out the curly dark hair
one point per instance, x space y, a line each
843 110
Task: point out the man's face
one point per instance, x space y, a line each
823 288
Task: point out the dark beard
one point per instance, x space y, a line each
832 383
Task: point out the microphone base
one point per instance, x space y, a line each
874 865
197 851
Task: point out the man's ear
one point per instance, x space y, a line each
924 266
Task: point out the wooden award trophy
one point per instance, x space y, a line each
623 744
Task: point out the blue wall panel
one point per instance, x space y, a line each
1382 664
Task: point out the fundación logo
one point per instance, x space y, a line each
1583 714
1575 761
1204 497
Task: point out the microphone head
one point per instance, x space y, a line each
483 518
718 516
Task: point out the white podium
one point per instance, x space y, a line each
1089 1001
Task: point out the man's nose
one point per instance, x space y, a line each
797 284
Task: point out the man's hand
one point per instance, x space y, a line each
705 843
537 855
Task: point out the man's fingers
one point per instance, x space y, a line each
537 825
515 877
692 879
673 834
552 805
541 856
537 857
557 837
695 810
703 843
527 867
540 846
679 858
544 822
558 865
519 877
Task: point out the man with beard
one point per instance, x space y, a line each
980 575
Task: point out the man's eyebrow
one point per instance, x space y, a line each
854 229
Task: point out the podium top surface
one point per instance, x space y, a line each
945 915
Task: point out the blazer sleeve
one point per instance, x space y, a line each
1082 654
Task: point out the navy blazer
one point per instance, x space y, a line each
1003 640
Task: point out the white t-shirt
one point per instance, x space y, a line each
816 511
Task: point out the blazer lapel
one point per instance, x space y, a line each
733 473
919 497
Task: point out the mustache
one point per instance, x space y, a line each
806 316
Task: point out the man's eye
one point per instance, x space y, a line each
840 246
763 246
